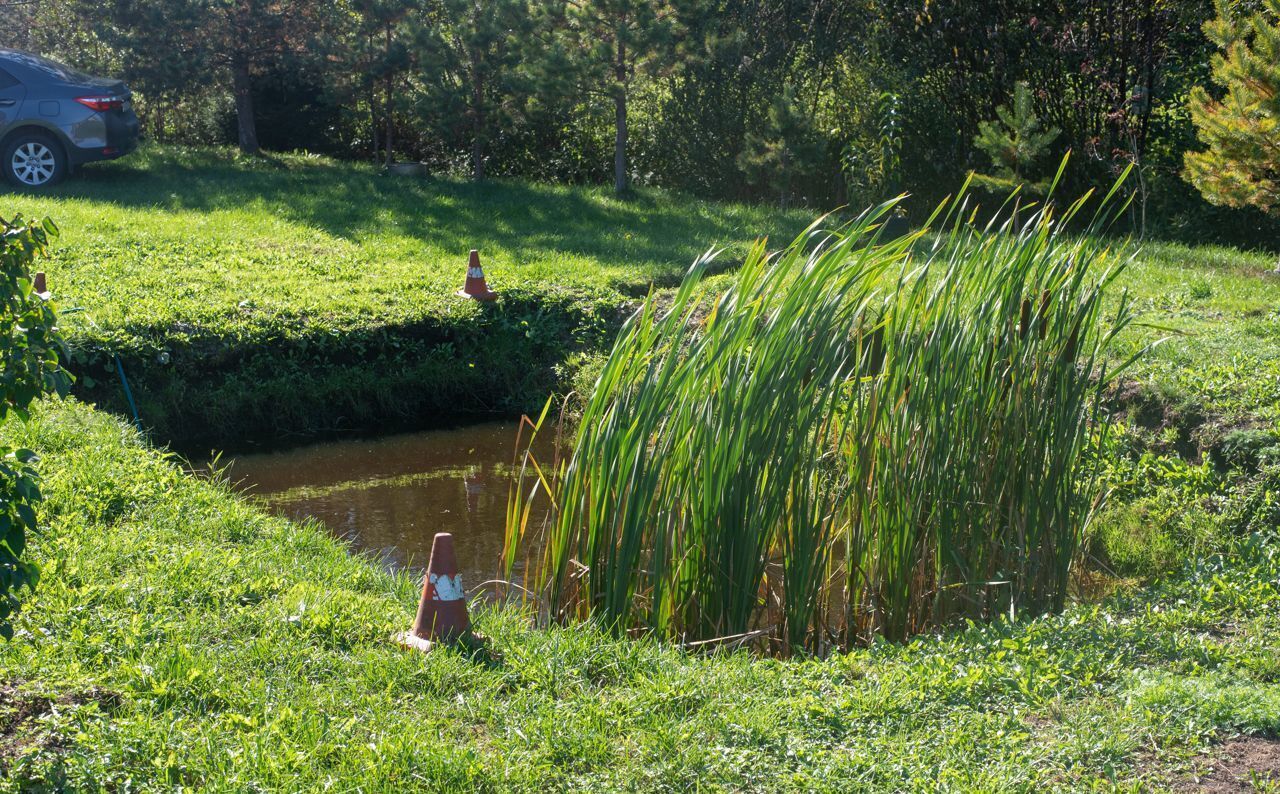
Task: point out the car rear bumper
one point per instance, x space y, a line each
121 138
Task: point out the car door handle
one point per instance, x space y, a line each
8 103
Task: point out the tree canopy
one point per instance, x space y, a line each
820 102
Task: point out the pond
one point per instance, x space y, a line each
390 495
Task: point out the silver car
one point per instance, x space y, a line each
54 118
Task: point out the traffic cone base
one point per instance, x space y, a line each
411 642
475 286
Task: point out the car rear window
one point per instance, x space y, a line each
45 67
7 80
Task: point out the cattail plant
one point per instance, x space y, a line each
859 437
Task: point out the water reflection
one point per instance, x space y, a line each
391 495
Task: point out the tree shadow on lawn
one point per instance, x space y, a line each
657 235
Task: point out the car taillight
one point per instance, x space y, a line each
101 103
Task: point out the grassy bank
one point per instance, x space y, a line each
259 299
183 638
255 299
1199 414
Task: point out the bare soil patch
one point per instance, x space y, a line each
21 711
1237 765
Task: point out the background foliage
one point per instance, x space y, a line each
817 102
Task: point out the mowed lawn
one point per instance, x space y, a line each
176 241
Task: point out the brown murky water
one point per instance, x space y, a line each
391 495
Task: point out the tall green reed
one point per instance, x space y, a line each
860 437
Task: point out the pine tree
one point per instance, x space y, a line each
378 55
616 41
787 152
1014 140
477 65
1241 166
174 45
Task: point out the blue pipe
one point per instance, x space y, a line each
128 393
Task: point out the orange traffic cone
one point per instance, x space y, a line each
40 285
442 612
475 287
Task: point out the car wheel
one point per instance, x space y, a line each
32 160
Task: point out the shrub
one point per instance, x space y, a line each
31 349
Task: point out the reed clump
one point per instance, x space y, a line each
860 437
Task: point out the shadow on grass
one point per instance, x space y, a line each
647 229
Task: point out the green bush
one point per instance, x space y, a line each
31 349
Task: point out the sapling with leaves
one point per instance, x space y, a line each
32 354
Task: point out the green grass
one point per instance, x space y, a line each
183 638
300 294
1222 310
1200 413
180 637
253 298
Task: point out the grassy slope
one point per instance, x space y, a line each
183 637
186 638
301 293
1201 411
1221 307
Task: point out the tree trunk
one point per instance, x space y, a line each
374 123
477 119
620 120
240 86
620 142
389 104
